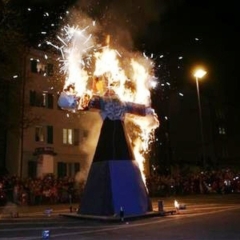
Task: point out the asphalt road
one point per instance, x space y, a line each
204 218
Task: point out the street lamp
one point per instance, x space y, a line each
200 73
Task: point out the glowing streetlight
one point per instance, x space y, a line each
199 73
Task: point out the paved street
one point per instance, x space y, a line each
206 218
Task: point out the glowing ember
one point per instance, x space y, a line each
94 69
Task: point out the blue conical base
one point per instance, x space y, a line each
114 179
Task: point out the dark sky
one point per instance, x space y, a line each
169 27
217 26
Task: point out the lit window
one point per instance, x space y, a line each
70 136
221 130
45 69
64 136
67 136
39 134
41 68
44 99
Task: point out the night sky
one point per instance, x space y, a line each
202 32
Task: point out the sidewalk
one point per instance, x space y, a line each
11 210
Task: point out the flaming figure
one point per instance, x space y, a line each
99 75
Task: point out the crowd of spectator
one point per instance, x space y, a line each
47 190
51 190
222 181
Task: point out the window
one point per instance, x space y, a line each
72 169
67 169
39 134
37 66
50 134
61 169
33 98
67 136
47 99
34 66
38 99
41 68
44 99
71 136
46 69
221 130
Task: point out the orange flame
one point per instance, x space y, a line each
104 71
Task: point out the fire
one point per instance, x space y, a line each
107 67
176 204
101 70
141 77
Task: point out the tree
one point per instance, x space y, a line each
11 42
13 49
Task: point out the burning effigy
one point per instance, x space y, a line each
100 78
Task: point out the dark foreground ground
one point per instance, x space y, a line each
205 217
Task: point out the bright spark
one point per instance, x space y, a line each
95 69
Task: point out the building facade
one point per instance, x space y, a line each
179 137
50 140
